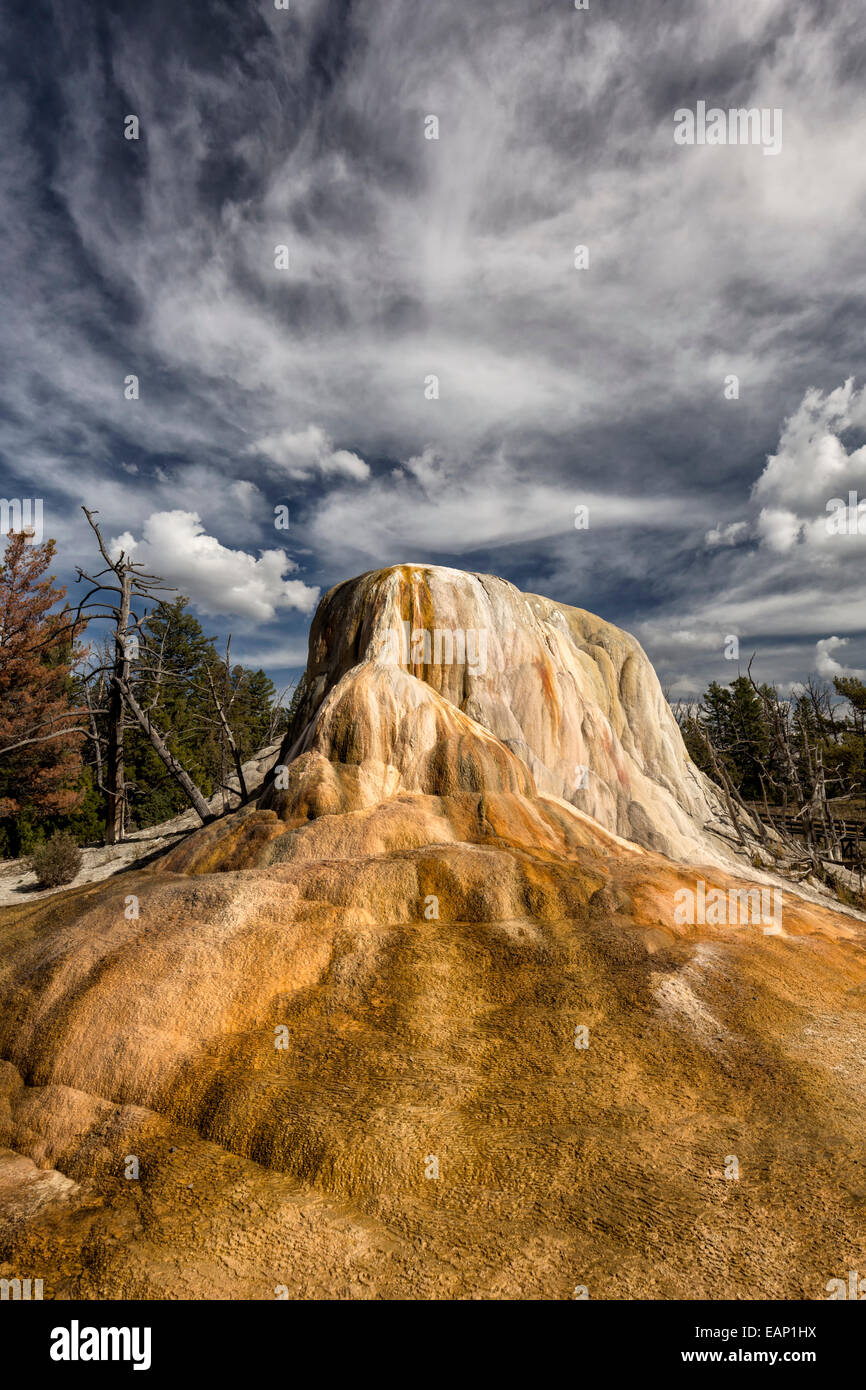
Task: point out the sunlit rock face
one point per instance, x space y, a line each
429 680
572 697
424 1020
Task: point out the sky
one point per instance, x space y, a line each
375 324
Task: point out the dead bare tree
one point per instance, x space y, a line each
114 590
278 722
222 706
729 791
804 777
157 742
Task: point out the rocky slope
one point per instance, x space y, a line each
427 1019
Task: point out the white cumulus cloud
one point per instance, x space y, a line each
218 580
827 665
309 453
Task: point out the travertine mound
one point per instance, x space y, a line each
416 1024
572 697
425 681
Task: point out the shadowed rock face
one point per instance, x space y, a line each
392 959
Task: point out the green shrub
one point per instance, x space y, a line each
56 861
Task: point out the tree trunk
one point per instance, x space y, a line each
180 775
228 737
726 788
114 757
